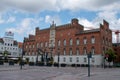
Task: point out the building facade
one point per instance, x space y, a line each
116 48
70 42
7 43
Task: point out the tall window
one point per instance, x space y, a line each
93 50
64 42
77 59
77 41
41 45
46 44
71 42
58 42
37 45
84 51
93 40
77 51
85 59
64 52
85 41
64 59
70 52
70 59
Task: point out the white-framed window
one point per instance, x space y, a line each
77 59
64 52
46 44
41 45
93 50
37 45
93 59
85 59
70 59
77 41
85 41
92 39
64 42
71 42
77 51
64 59
84 50
33 46
70 52
58 42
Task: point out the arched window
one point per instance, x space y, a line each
77 41
41 45
92 39
58 42
64 42
85 40
46 44
37 45
84 51
93 50
70 51
64 52
71 42
77 51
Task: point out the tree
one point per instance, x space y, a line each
5 55
110 55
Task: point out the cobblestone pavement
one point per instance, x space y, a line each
54 73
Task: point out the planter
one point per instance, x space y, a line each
55 64
31 63
73 65
11 62
78 65
63 65
40 64
22 63
1 62
49 64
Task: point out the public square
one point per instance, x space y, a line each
55 73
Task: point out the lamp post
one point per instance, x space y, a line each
58 57
21 61
45 57
89 56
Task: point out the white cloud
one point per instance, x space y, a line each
50 19
109 16
87 24
26 26
11 19
57 5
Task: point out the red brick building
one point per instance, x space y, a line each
71 41
116 47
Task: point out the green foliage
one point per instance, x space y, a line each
111 55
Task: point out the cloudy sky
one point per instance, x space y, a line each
22 16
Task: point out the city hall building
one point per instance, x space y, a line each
70 42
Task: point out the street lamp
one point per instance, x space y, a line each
21 61
89 55
58 57
45 56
